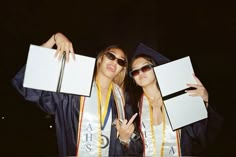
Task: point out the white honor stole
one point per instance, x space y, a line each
92 140
149 136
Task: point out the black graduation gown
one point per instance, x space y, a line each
65 108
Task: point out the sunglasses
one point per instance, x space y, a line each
144 69
112 57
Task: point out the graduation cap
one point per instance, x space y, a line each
145 50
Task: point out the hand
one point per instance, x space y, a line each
63 46
126 128
199 91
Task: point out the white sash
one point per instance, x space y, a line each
120 101
92 140
169 146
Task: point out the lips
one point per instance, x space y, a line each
111 68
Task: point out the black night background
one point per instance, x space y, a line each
205 30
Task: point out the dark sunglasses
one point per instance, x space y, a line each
144 69
112 57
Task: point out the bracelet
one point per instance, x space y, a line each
125 143
54 37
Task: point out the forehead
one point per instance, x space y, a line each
140 61
118 52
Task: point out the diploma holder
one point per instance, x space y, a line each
181 108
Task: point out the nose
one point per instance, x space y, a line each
140 72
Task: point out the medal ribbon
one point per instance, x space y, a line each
106 107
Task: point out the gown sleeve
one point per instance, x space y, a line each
47 101
136 144
195 138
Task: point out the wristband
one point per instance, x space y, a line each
125 143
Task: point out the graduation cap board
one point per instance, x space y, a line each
172 77
45 72
181 108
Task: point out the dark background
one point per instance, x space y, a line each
203 29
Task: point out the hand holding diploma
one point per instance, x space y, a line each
64 45
199 90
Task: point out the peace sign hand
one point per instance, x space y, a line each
126 128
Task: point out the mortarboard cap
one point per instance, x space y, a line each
156 56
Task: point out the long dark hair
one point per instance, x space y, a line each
133 89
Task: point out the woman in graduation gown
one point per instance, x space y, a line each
159 138
89 126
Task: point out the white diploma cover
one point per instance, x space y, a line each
45 72
181 108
